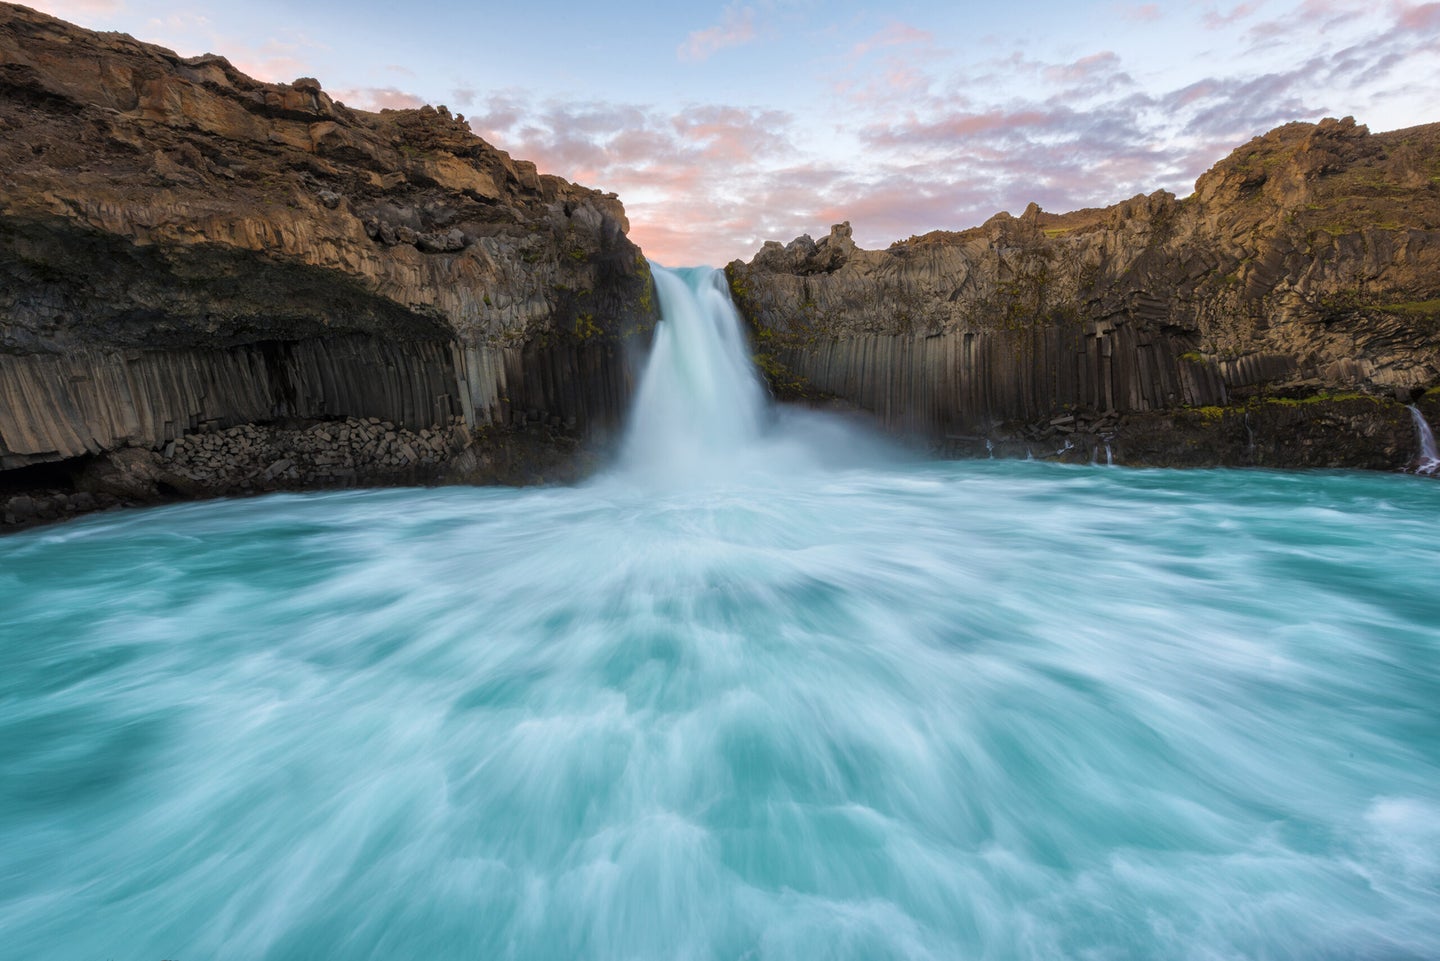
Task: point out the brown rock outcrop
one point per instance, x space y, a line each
184 248
1306 262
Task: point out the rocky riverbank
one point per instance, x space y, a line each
253 459
1325 430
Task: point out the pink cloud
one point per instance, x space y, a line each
272 61
900 84
1215 20
953 128
1084 69
190 32
893 35
1327 13
696 236
889 66
736 27
77 10
901 206
1195 92
1424 17
1144 13
730 133
378 98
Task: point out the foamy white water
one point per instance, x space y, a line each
700 407
785 709
1429 459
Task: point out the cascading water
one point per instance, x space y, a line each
748 696
700 405
701 416
1429 460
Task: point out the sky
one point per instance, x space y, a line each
723 125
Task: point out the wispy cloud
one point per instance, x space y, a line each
275 61
1138 13
736 27
1423 17
948 145
189 31
894 34
378 98
1214 19
77 11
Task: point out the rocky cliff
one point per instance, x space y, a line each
185 250
1282 314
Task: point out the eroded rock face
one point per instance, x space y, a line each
1307 262
184 248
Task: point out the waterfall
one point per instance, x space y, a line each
701 414
1429 460
700 402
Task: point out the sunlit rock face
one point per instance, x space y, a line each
184 248
1306 262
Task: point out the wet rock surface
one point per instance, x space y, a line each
253 459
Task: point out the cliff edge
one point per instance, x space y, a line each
187 251
1283 314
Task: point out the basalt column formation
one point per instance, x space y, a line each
187 251
1283 314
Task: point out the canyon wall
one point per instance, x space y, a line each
184 249
1303 273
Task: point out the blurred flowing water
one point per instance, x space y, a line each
1429 460
814 702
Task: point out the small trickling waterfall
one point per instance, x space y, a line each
1429 460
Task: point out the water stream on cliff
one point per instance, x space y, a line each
1429 460
792 703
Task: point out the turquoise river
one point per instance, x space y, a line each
765 689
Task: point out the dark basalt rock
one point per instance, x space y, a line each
1306 265
185 250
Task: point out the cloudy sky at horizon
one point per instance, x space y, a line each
723 125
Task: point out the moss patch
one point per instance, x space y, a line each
1414 308
1324 397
